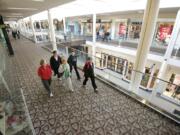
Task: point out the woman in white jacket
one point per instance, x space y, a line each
67 74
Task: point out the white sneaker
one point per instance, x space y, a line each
72 90
60 79
51 95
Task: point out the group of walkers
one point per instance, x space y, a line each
62 69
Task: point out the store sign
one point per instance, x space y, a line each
164 31
122 29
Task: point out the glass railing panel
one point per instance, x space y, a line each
122 73
15 118
152 90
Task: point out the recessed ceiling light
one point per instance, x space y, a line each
13 16
14 8
16 13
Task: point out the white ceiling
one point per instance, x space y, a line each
16 9
89 7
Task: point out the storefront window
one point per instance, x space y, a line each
37 25
87 29
58 25
104 59
44 24
98 60
134 31
103 30
163 34
111 63
120 65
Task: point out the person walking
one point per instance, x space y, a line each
67 74
89 73
72 61
45 72
55 62
18 34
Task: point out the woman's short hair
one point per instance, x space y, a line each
54 52
42 61
89 58
64 60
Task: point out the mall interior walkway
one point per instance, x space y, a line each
81 112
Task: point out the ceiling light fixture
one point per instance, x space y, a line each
16 13
14 8
38 0
13 16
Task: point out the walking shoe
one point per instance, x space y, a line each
83 86
51 95
96 90
60 79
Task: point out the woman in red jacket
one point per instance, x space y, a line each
45 72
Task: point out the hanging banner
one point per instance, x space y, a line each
122 29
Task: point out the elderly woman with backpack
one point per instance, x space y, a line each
67 74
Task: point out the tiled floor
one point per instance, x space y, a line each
82 112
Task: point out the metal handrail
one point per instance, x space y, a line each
120 65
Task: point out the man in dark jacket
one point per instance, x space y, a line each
89 73
55 62
72 61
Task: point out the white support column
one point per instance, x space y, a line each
33 30
124 68
94 39
146 37
67 52
51 29
167 56
113 29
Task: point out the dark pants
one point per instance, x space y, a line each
76 70
56 72
47 84
92 81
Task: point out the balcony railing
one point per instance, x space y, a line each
153 94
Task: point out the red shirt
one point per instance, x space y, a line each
45 72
